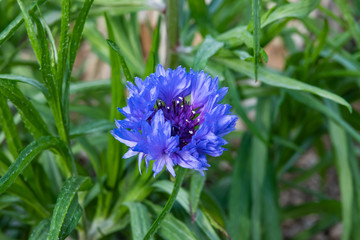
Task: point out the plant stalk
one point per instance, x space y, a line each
169 204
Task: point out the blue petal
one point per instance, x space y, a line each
129 138
188 157
202 87
171 83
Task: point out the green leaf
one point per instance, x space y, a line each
115 149
9 128
71 219
91 127
339 142
62 206
276 80
83 87
200 13
352 23
17 22
27 80
78 30
151 62
332 207
183 200
30 30
41 230
314 103
26 156
140 221
126 71
168 206
63 44
196 187
240 109
239 197
258 155
27 111
298 10
172 228
207 49
256 11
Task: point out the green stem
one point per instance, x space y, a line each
172 25
169 204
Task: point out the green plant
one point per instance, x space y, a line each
62 173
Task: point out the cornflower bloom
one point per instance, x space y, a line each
174 117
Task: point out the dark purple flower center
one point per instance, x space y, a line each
183 118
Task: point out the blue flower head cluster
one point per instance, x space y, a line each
175 117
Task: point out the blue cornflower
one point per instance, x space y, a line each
175 117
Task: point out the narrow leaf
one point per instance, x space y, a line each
27 80
9 128
63 202
239 197
183 200
140 221
172 228
297 9
196 187
256 11
26 156
28 113
30 30
91 127
41 230
151 62
17 22
126 71
207 49
277 80
78 30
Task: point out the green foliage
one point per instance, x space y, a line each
62 173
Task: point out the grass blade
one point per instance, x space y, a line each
352 23
240 195
256 11
140 221
9 128
207 49
297 10
41 230
183 200
63 44
27 80
62 206
172 228
78 30
28 113
259 163
16 23
169 204
240 109
126 71
30 30
152 60
196 186
338 138
314 103
277 80
26 156
91 127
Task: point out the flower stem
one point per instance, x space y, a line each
169 204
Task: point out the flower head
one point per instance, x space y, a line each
175 117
